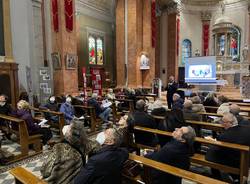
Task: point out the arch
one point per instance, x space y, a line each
235 43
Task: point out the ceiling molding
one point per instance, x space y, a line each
96 10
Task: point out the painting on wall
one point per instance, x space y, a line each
56 61
71 61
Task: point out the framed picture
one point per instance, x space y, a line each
43 85
71 61
56 61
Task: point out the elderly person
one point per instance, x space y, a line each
190 113
68 110
235 110
224 105
23 112
101 112
141 118
106 165
5 108
67 157
110 94
177 102
211 100
234 133
197 106
51 105
176 153
158 109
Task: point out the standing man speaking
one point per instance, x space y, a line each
171 89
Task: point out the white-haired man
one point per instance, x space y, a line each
234 133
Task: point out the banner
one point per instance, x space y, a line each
68 5
55 15
96 81
153 23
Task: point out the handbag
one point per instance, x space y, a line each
131 168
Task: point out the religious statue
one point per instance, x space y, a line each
197 52
245 52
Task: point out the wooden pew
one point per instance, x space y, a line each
169 169
242 171
94 121
61 120
242 109
23 176
24 138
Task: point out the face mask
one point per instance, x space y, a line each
52 99
68 100
65 129
100 138
2 103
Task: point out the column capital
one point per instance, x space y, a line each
206 15
172 7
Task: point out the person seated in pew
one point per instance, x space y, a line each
211 100
140 118
23 112
234 133
157 108
105 167
67 157
68 110
101 112
190 113
224 105
110 95
177 153
52 106
177 102
5 109
197 106
235 110
174 119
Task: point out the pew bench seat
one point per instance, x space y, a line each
200 159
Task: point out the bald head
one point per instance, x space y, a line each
140 105
234 109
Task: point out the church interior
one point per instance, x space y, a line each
124 91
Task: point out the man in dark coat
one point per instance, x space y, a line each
176 153
177 102
234 133
235 110
105 167
171 89
141 118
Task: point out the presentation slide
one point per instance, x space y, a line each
200 69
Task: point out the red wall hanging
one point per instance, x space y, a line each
55 15
68 8
205 39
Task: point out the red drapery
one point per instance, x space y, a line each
205 40
153 23
55 15
68 8
177 34
96 80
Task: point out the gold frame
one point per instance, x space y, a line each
7 32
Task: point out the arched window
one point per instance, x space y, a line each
186 50
95 44
235 44
99 51
92 50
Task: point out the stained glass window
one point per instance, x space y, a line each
186 50
92 50
222 45
99 44
96 46
235 44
